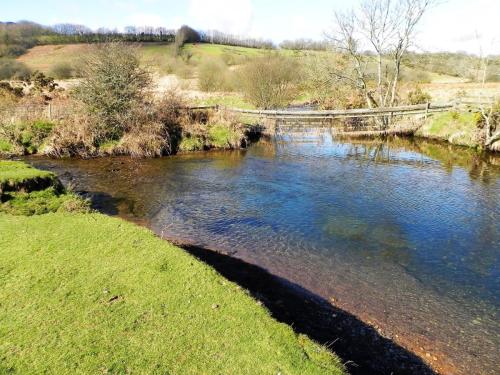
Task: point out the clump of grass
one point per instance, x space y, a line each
6 147
191 143
109 147
418 96
25 190
25 137
15 175
42 202
224 131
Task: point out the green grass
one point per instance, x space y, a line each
15 175
222 136
41 202
232 55
5 146
192 143
233 101
158 55
455 127
85 293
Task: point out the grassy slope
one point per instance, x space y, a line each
45 57
86 293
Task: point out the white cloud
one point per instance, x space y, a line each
231 16
454 26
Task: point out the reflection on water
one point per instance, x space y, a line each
403 233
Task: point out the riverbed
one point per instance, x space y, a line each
405 234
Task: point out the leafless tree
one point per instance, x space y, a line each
386 28
488 108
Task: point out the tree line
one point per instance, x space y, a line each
17 37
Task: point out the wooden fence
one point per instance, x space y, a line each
420 109
60 111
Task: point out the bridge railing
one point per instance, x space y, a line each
422 109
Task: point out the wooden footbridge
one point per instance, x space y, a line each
346 121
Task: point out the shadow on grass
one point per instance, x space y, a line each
359 345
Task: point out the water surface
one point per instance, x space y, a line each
404 234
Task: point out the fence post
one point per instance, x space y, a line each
427 107
49 111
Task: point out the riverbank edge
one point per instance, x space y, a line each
314 358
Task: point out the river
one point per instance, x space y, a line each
402 233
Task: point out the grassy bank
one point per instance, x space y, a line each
86 293
15 176
459 128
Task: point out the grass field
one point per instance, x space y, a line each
44 58
86 293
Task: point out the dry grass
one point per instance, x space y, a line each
43 58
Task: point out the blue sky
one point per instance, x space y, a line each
452 25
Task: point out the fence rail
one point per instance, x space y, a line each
60 111
328 114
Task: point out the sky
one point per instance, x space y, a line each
452 25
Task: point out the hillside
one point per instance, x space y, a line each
182 72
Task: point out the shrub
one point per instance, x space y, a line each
62 70
40 83
213 75
270 81
12 69
6 89
113 84
418 96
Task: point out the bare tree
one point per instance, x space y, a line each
488 108
386 28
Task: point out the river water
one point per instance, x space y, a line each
404 234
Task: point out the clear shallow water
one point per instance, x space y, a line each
404 234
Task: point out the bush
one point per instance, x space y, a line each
12 69
418 96
270 81
62 70
113 84
6 90
213 75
